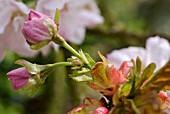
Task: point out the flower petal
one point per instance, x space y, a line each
157 51
125 67
117 57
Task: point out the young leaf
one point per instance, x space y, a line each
91 61
161 79
57 16
138 66
147 73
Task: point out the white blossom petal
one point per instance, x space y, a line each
21 7
16 42
71 28
18 23
48 7
6 11
75 16
90 19
2 50
157 51
117 57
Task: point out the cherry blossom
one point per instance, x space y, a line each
74 16
13 14
157 50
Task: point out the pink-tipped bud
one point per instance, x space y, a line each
126 67
38 27
19 77
165 101
101 110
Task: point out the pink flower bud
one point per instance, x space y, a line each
38 27
77 109
165 101
126 67
101 110
19 77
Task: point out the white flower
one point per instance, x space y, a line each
75 16
157 50
13 15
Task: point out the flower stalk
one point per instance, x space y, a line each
60 40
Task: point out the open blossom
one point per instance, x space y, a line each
106 78
75 16
157 50
13 14
19 77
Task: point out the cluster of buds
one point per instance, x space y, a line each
129 89
107 79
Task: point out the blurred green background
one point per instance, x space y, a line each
127 23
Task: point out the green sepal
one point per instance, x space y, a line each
90 60
40 45
31 68
52 28
83 56
103 58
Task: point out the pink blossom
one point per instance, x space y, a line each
157 50
35 31
19 77
74 16
13 14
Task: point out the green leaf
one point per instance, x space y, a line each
57 16
161 79
147 73
40 45
138 66
132 79
126 88
82 78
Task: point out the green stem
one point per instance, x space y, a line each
60 64
60 40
